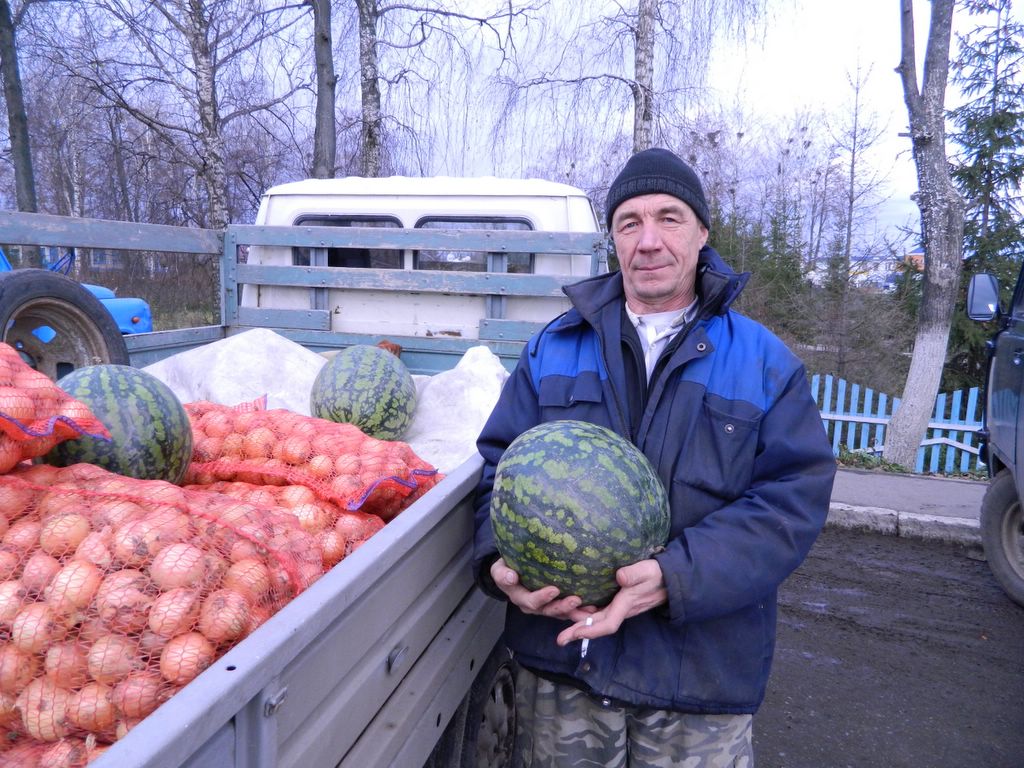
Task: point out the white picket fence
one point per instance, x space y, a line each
855 417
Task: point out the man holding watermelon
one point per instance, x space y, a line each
672 669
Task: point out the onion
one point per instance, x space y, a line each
15 497
61 534
43 705
259 443
24 754
294 495
208 449
95 549
174 612
185 656
224 616
178 565
74 586
332 547
10 453
139 694
40 474
123 726
36 627
125 609
137 541
23 534
12 597
312 517
10 717
112 658
17 668
10 562
66 664
294 449
151 645
250 577
69 752
216 423
93 749
320 466
39 570
232 446
114 512
91 708
261 496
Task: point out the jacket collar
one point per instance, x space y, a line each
718 286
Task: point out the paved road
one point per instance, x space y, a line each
896 653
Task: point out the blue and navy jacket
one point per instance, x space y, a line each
731 427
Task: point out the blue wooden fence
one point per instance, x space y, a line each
855 417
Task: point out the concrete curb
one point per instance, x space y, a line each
891 522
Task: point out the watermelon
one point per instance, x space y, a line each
572 503
366 386
151 438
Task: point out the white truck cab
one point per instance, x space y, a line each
398 203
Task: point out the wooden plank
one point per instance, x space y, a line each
508 330
43 229
304 319
398 280
490 240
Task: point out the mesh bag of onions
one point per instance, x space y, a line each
338 462
337 531
116 592
35 414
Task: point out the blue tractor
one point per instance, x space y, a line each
59 324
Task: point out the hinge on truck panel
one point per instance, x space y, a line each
274 703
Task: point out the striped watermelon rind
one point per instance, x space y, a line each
151 438
572 503
366 386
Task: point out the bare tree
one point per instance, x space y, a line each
325 135
942 226
404 43
17 119
167 66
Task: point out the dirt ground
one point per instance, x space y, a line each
894 653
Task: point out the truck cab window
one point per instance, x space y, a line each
361 258
473 261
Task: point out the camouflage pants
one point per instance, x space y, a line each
562 727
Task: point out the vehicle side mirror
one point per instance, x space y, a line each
983 297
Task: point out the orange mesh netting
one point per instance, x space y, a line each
116 592
338 462
35 414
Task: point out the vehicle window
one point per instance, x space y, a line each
368 258
473 261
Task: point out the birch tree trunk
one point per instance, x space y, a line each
942 226
325 136
371 134
643 85
17 122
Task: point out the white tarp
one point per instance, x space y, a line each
451 407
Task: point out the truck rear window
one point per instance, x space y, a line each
474 261
366 258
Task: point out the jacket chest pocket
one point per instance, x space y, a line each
571 397
718 456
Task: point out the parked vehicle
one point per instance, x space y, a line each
1002 514
59 324
393 658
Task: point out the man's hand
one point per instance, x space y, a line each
542 602
642 588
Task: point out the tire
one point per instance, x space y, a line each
1002 534
491 714
81 331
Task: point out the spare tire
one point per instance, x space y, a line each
56 324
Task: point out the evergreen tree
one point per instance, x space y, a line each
989 127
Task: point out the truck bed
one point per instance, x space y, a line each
333 679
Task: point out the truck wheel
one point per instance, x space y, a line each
491 715
1002 534
56 324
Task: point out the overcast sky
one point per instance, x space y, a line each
809 51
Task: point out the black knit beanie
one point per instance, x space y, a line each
657 170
